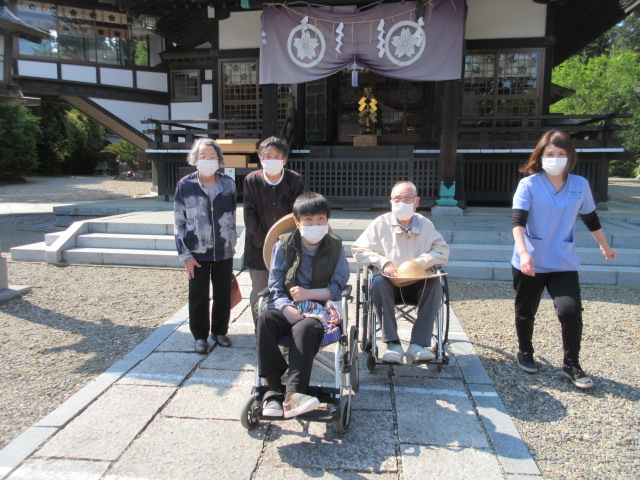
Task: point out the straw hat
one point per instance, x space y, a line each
407 273
284 225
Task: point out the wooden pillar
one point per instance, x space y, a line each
216 85
449 143
269 110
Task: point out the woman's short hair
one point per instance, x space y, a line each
275 143
558 139
311 203
192 156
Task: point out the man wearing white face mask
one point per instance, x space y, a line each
390 240
268 196
308 265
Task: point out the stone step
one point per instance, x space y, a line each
502 253
623 239
126 241
127 256
460 269
589 274
122 256
135 228
33 252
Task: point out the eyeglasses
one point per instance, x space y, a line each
403 199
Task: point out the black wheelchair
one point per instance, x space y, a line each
368 325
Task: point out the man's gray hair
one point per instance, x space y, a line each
192 156
405 182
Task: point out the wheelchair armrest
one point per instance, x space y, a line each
438 269
264 292
346 292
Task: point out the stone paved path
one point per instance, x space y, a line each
165 412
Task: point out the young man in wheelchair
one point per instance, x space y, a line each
390 240
308 272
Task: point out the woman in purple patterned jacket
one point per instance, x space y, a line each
205 232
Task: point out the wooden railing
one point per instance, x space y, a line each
172 134
361 177
490 152
490 179
523 132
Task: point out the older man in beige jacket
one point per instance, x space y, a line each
388 241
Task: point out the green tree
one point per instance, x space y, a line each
604 83
18 131
70 142
124 152
89 139
624 36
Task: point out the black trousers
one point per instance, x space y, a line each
564 289
217 274
305 335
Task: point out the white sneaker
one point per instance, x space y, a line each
394 354
418 353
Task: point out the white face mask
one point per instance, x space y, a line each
402 211
554 165
273 167
313 233
207 167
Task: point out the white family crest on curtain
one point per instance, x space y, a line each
305 44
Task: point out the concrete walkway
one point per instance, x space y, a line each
166 412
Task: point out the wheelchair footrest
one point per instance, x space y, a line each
321 415
444 360
328 395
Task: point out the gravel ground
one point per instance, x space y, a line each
571 434
79 320
624 190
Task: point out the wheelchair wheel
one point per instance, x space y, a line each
249 413
364 304
371 361
354 374
358 300
343 422
445 311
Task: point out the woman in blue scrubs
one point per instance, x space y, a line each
545 207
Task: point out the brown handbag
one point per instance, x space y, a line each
236 294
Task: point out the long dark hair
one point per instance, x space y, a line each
558 139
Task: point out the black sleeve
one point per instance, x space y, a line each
519 218
592 221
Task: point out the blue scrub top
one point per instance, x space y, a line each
549 233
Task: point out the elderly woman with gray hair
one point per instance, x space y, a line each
205 232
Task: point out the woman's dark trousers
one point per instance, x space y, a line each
564 289
306 336
217 274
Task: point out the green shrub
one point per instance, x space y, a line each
18 152
623 168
